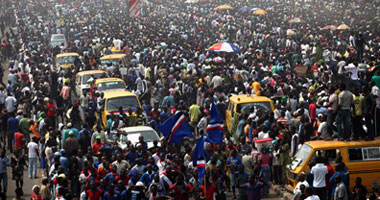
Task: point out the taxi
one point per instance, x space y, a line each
114 59
109 84
243 103
362 159
82 83
113 100
65 61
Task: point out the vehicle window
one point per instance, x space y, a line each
371 153
355 154
149 136
302 154
111 85
66 60
330 154
110 61
97 75
79 80
257 105
58 37
125 102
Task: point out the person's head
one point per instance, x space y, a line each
342 87
358 181
308 192
301 177
338 178
36 189
98 139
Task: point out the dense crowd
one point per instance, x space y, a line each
46 125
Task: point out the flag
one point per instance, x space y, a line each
215 116
175 128
215 128
199 158
134 8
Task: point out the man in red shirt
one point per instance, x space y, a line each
19 141
97 145
313 111
180 189
51 111
94 193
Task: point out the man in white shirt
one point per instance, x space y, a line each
319 172
33 155
10 103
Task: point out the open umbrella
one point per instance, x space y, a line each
343 27
224 47
260 12
244 9
295 20
223 7
332 27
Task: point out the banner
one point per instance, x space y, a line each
134 8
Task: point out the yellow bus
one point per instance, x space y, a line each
362 159
109 84
114 59
116 99
66 60
243 103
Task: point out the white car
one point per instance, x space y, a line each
133 133
57 40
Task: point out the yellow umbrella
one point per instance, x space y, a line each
260 12
343 27
223 7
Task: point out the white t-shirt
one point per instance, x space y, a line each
319 171
33 147
10 103
313 197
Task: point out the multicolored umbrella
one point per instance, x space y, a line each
224 7
332 27
295 20
343 27
260 12
224 47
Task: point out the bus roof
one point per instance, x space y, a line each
118 93
322 144
243 98
113 56
67 54
103 80
90 72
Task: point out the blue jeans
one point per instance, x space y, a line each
344 119
32 167
265 173
4 178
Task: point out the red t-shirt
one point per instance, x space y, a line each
19 140
94 195
96 147
313 111
36 197
51 109
210 191
178 192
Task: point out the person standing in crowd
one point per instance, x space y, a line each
319 183
33 155
4 163
340 190
345 101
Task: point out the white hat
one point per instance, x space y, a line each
139 183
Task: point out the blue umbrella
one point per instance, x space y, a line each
245 9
